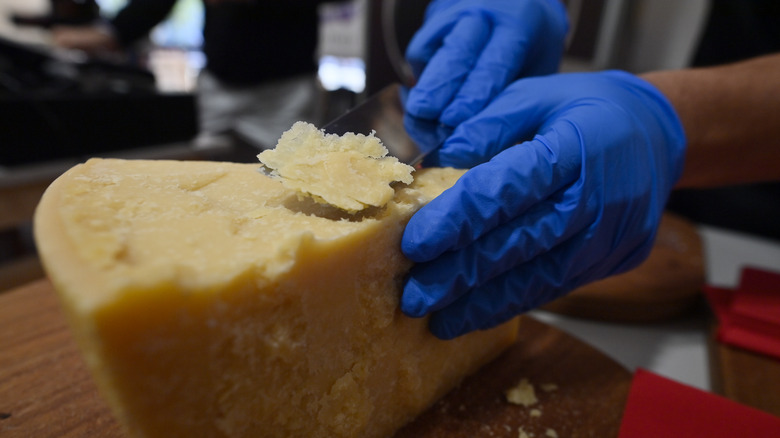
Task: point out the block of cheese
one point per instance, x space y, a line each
211 301
351 172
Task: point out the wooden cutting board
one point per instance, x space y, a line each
665 285
746 377
46 391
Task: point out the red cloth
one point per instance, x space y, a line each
749 316
658 407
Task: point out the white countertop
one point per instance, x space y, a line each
677 348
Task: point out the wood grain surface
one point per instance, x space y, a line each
18 202
665 285
46 391
591 391
746 377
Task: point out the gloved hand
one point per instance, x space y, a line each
467 51
579 198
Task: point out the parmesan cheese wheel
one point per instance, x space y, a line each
210 300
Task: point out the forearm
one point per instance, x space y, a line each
731 117
138 17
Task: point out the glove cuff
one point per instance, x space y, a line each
668 120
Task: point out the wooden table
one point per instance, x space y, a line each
746 377
667 284
18 203
46 391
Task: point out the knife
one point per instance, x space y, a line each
407 138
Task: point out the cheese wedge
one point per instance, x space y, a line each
211 301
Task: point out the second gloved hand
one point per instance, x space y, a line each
467 51
571 174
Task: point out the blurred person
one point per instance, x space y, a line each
260 72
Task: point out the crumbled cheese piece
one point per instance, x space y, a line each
351 172
536 413
521 433
551 433
522 394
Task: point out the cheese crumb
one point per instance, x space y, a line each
522 394
551 433
521 433
535 413
351 172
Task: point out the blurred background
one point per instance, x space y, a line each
59 106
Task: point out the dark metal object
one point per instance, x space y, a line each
406 138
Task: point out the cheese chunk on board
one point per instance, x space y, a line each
209 300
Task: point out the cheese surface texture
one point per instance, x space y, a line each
212 301
351 172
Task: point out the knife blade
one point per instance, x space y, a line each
407 138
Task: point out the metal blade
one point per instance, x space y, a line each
406 138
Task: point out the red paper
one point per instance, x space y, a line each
759 296
659 407
749 316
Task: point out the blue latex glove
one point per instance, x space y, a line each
579 199
467 51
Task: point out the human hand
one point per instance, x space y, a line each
571 175
90 39
467 51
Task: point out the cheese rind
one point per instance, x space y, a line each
209 300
